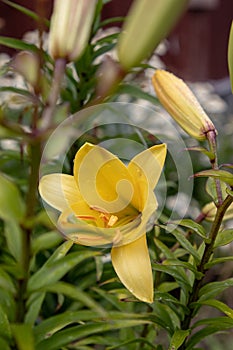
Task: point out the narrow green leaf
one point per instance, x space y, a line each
8 303
34 304
6 282
13 234
218 305
212 191
185 265
111 299
167 314
223 238
164 249
59 253
216 261
23 336
137 92
75 333
53 324
5 330
186 245
221 322
17 44
132 341
178 274
178 338
26 11
18 91
77 294
166 287
4 344
200 335
46 241
12 206
212 289
221 175
192 225
230 56
51 273
203 150
99 267
167 298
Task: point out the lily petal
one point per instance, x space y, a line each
108 184
59 190
132 265
146 168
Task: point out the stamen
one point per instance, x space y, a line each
113 219
105 218
86 217
99 209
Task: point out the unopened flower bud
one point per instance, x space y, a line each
27 64
70 28
148 22
230 55
182 105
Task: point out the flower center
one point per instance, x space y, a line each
108 219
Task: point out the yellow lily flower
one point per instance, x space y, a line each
182 105
109 203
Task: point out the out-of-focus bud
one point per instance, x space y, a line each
109 75
147 23
209 211
70 28
27 64
182 105
230 55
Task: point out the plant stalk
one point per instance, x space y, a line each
205 259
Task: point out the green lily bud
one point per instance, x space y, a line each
182 105
70 28
230 56
27 64
147 23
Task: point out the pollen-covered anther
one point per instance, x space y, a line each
113 219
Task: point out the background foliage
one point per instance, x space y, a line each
56 295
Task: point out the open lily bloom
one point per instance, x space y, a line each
109 203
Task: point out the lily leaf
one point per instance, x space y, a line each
23 336
203 150
25 11
192 225
17 44
221 175
211 189
178 338
218 305
12 206
212 289
224 237
184 242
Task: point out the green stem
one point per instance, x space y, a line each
31 201
35 144
47 116
205 258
